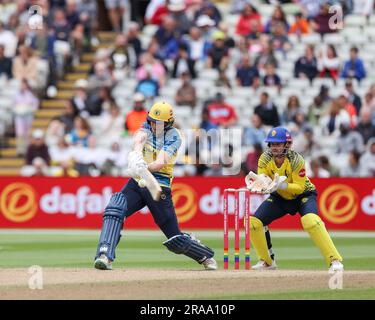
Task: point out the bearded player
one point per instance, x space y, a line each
281 173
155 149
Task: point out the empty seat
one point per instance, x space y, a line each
333 38
355 20
312 38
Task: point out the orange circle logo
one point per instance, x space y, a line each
185 201
18 202
339 203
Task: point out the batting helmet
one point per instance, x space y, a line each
161 111
278 134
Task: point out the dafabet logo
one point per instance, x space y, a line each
185 201
339 203
18 202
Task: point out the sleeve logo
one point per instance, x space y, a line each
302 173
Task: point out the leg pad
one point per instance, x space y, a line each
190 247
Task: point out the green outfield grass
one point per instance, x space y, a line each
55 248
144 249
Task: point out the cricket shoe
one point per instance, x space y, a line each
336 265
210 264
262 265
103 263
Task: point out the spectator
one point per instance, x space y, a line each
123 56
279 38
206 25
198 46
307 65
306 143
247 75
37 148
252 158
267 111
9 40
353 98
66 170
206 124
116 10
209 9
317 171
186 94
278 18
367 161
149 64
79 100
5 64
112 125
354 67
329 63
115 160
177 9
218 54
102 77
167 38
350 109
353 169
67 118
271 79
40 168
320 106
148 86
61 30
255 134
54 133
365 127
249 21
99 101
320 23
25 66
133 38
292 107
368 101
349 140
266 57
25 103
135 118
183 63
326 165
300 25
61 152
81 132
155 12
330 123
221 113
228 41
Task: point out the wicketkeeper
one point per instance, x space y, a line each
281 173
154 150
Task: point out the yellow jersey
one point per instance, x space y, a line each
293 168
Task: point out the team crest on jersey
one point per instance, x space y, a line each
273 133
302 173
304 200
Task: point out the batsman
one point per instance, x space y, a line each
281 173
154 150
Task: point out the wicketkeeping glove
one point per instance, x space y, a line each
257 183
278 183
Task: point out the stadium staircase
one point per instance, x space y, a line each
10 163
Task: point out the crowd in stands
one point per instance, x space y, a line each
204 59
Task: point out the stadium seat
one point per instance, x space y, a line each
312 38
333 38
354 20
